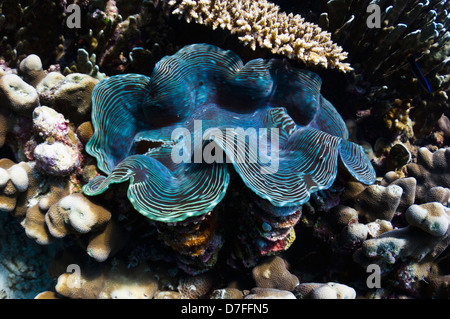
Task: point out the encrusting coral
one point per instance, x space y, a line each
31 70
272 273
19 183
196 287
69 95
269 293
261 23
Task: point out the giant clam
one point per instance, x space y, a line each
135 117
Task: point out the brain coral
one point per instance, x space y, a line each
140 122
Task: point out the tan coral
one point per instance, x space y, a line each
85 131
273 273
75 214
34 221
17 95
434 218
431 169
70 95
31 69
47 295
167 295
102 281
107 241
330 290
425 238
18 184
269 293
35 227
260 22
227 293
4 125
377 202
196 287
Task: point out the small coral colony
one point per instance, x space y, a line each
227 149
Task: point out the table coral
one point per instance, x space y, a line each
261 23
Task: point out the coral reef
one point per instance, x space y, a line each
261 23
120 178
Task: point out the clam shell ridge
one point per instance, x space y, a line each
135 117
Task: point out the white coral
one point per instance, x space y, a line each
56 158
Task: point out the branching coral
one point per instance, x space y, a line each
261 23
412 35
